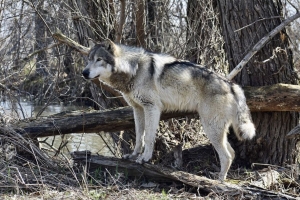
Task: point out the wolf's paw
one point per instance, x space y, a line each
130 156
142 159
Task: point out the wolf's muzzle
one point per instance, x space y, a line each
86 73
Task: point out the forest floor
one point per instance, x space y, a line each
36 175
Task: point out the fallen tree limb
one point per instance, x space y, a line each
164 174
157 173
280 97
82 122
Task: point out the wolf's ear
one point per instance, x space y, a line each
109 46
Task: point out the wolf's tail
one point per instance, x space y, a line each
242 124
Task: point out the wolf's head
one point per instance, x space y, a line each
101 61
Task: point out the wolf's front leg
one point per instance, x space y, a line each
139 120
152 117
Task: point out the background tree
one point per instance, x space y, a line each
243 24
203 36
40 37
94 21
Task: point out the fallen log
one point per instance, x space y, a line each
156 173
164 174
82 122
279 97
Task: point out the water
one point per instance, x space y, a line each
74 141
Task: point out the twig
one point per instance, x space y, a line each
22 180
106 144
265 164
256 22
40 50
294 6
260 44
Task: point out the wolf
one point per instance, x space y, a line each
153 83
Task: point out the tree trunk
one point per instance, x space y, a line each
204 41
140 24
120 26
151 28
154 20
244 23
40 38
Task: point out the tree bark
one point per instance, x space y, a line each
278 97
261 43
83 122
272 64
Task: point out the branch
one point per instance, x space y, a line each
40 50
294 132
64 39
260 44
263 19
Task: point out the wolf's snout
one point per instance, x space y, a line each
86 73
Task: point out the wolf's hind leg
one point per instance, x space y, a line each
139 119
218 138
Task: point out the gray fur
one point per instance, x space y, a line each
155 83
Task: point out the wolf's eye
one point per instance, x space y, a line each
98 59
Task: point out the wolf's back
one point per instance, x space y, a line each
242 125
